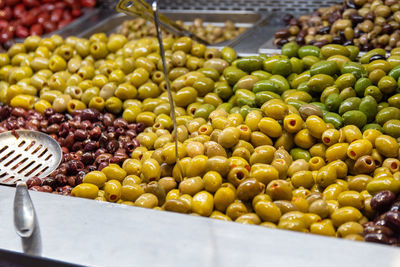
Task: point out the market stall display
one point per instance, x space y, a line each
305 138
366 24
19 19
139 28
245 23
271 140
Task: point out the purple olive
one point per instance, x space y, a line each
382 200
90 114
392 220
378 229
376 238
80 135
395 206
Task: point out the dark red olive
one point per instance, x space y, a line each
48 112
34 181
49 182
283 33
49 26
56 118
76 146
71 3
56 15
76 12
88 3
392 220
382 200
377 238
395 206
6 34
73 166
6 13
87 158
48 7
60 5
99 152
36 188
53 129
378 229
91 146
61 179
121 123
95 132
80 135
36 29
90 114
79 177
11 2
108 119
3 24
112 146
43 17
19 11
67 15
140 127
31 3
18 112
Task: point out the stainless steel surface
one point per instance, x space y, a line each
304 6
275 23
254 41
24 220
25 154
105 234
110 22
142 9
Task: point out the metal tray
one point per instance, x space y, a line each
110 23
275 24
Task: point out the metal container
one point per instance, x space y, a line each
290 6
297 8
110 23
275 23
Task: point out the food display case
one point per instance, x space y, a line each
278 156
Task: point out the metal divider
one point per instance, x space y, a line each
289 6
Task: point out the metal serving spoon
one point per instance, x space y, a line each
24 154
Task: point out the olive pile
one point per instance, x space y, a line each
299 141
385 228
139 28
90 140
367 24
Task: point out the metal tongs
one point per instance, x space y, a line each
142 9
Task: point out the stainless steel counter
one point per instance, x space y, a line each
102 234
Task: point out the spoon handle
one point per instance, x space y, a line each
164 64
24 215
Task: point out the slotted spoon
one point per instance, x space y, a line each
25 154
